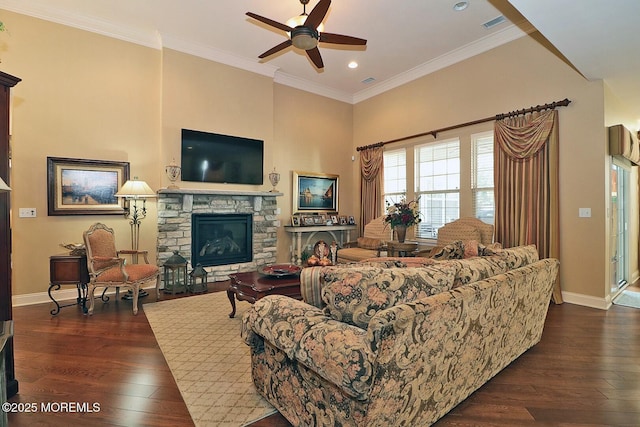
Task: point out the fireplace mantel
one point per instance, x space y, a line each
211 192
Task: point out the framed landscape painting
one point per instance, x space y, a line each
85 187
315 192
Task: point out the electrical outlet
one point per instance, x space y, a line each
27 213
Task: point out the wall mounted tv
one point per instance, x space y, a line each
211 157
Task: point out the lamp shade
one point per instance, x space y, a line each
4 186
135 189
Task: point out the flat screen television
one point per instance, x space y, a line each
211 157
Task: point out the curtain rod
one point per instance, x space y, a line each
435 132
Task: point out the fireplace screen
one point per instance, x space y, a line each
221 239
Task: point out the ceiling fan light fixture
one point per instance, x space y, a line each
304 38
298 21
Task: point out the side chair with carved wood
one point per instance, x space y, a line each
108 269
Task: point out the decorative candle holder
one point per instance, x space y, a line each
173 172
274 178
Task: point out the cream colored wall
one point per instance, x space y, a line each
517 75
312 134
83 96
207 96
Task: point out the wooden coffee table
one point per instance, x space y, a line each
252 286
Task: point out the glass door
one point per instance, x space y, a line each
619 226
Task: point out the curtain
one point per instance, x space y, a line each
527 185
370 185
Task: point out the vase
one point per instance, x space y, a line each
401 232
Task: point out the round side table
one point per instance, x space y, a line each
395 248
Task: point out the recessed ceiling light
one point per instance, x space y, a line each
461 5
353 64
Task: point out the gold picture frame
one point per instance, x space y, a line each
315 192
85 187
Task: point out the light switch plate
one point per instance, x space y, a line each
584 212
27 212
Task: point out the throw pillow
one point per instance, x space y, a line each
470 248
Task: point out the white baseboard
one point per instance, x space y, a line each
587 301
62 295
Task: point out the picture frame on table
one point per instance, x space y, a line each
85 187
334 219
352 220
295 221
315 192
343 220
307 220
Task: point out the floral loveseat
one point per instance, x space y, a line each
396 345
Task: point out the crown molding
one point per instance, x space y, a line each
477 47
105 28
217 55
309 86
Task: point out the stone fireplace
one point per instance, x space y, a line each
237 229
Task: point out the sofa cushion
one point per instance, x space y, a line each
369 243
355 295
355 254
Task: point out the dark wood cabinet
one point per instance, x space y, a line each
6 83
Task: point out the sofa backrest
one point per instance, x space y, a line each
355 295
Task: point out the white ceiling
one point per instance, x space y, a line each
406 39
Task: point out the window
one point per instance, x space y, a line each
482 176
395 175
437 185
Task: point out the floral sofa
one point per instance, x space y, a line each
397 345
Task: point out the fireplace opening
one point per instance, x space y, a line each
221 239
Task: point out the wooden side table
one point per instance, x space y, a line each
395 248
252 286
68 270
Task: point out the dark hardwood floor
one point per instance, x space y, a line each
584 372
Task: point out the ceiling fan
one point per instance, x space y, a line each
307 36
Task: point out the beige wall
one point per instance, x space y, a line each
497 82
89 96
83 96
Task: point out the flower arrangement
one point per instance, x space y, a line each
402 213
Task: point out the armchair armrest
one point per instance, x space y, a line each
135 252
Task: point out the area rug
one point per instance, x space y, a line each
208 359
628 299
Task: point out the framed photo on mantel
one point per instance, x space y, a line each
315 192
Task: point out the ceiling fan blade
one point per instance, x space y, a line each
317 14
341 39
285 44
314 56
270 22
